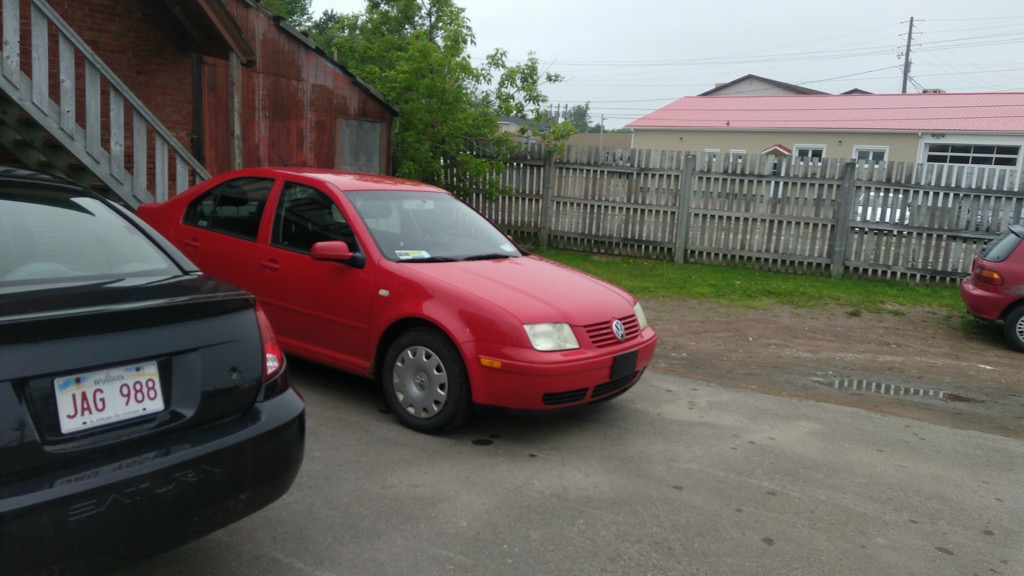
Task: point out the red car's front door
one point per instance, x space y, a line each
320 310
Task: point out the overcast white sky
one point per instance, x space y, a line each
628 58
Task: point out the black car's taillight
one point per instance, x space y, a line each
273 358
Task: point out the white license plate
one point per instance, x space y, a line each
97 398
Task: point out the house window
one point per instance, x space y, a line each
737 156
974 154
811 153
870 155
710 156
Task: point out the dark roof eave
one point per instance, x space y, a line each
213 28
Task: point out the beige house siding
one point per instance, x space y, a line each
902 147
596 139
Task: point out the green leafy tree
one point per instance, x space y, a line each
297 12
324 29
415 52
579 117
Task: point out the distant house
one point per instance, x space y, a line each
519 127
984 129
145 97
751 85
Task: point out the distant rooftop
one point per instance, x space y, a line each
755 79
981 112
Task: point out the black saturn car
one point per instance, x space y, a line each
142 404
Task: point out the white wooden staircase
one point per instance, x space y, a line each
80 121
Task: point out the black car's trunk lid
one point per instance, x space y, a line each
189 345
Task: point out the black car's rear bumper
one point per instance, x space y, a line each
155 498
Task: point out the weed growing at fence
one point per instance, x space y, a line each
755 289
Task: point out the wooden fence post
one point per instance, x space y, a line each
235 108
841 231
547 195
685 197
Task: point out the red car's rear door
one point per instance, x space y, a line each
219 230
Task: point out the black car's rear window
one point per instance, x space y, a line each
1001 248
55 236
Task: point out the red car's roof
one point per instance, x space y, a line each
342 180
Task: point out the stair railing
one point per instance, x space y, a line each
101 144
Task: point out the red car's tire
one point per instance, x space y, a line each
425 381
1013 328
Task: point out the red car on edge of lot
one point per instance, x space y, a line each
995 289
401 281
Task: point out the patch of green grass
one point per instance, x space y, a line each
747 287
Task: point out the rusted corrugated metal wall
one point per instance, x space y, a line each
292 99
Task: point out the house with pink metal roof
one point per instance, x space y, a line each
983 129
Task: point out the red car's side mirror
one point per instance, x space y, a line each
337 251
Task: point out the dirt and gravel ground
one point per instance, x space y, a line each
973 382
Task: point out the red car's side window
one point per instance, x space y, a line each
235 207
306 216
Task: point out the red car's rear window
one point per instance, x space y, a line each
1000 249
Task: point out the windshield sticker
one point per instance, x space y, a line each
411 254
508 247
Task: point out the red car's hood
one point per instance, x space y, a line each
533 289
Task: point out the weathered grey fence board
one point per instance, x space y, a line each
893 220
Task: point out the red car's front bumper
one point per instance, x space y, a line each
525 379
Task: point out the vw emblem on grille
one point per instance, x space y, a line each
619 329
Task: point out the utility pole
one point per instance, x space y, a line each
906 56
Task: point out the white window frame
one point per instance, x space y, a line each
974 153
710 155
872 149
737 156
810 148
941 138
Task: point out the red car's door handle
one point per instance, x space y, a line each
192 243
270 265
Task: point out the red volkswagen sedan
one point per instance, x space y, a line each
402 282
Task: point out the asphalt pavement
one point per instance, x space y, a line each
676 477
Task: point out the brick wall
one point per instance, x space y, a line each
146 47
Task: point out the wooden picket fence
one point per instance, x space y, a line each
903 221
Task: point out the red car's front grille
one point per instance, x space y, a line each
605 391
601 334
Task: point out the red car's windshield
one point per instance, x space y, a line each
429 227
